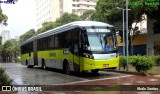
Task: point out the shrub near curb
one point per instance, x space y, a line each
157 60
4 79
123 62
142 63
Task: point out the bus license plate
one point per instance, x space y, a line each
105 65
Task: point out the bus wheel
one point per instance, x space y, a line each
43 64
95 71
66 68
28 66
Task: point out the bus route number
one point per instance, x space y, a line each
52 54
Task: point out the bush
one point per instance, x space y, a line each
157 59
4 79
123 62
133 60
142 63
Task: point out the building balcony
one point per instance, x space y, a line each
83 8
84 3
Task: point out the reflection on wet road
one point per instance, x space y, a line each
22 75
88 83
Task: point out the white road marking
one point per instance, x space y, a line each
93 80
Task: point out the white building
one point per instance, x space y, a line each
5 36
50 10
142 25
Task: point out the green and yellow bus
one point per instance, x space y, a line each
77 46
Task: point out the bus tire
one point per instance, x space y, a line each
113 68
43 65
95 71
28 66
66 67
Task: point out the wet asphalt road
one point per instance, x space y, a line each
95 84
22 75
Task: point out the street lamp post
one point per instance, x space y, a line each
123 30
127 33
124 33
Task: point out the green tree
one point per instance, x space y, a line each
66 18
7 51
0 40
15 49
88 15
3 17
47 26
27 35
106 9
4 79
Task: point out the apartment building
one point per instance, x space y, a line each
5 36
50 10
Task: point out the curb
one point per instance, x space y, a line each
133 73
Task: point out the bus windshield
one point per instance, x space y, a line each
101 39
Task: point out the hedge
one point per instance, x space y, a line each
4 79
142 63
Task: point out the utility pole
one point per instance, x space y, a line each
127 54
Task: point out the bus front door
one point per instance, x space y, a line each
76 58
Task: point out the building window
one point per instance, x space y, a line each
73 5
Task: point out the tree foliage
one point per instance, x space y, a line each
107 12
87 15
9 50
67 17
3 17
6 51
106 9
64 19
4 79
27 35
142 63
47 26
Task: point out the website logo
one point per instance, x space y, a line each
6 88
8 2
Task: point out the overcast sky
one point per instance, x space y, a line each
21 16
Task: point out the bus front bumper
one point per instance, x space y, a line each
91 64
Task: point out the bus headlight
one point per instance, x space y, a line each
88 55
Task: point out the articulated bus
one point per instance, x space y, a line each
77 46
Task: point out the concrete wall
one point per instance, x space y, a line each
138 45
